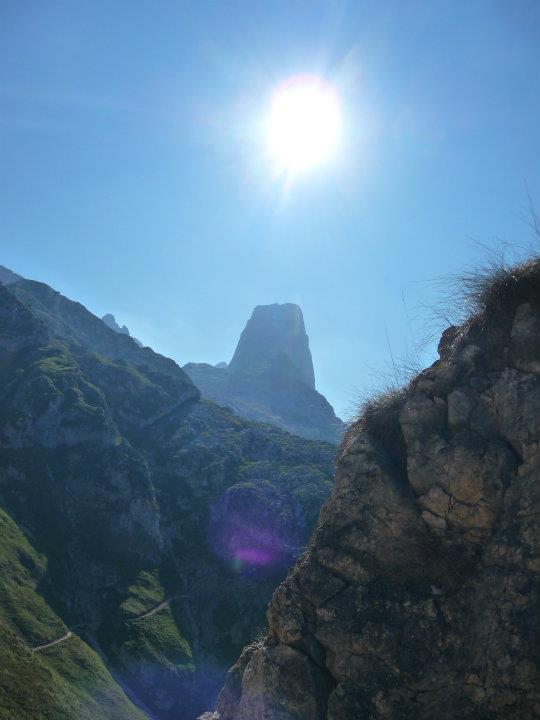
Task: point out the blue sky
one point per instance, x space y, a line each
133 177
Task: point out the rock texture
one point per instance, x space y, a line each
418 597
149 523
270 378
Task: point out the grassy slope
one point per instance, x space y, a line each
64 682
154 640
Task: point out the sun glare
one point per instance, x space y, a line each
304 124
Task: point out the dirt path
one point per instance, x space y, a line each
148 613
53 642
155 609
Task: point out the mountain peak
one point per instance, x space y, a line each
110 322
270 378
272 331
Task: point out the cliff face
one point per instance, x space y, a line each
140 527
418 597
274 330
270 378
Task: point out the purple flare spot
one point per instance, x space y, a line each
251 528
252 556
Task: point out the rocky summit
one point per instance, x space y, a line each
110 321
270 377
418 597
273 331
142 529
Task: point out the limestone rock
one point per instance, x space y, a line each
418 596
110 322
274 330
270 378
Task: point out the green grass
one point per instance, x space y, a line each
21 567
145 593
66 682
55 362
155 639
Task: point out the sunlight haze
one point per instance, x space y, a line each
138 170
304 123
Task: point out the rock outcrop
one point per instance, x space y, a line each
418 596
270 378
271 331
110 321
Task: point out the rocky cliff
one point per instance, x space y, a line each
142 529
110 321
271 331
418 597
270 377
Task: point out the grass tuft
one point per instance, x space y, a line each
497 288
378 416
486 296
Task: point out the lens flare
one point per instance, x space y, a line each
254 530
304 124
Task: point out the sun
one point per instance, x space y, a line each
304 123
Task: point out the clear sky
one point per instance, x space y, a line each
133 176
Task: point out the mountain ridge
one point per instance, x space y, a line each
7 276
121 477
